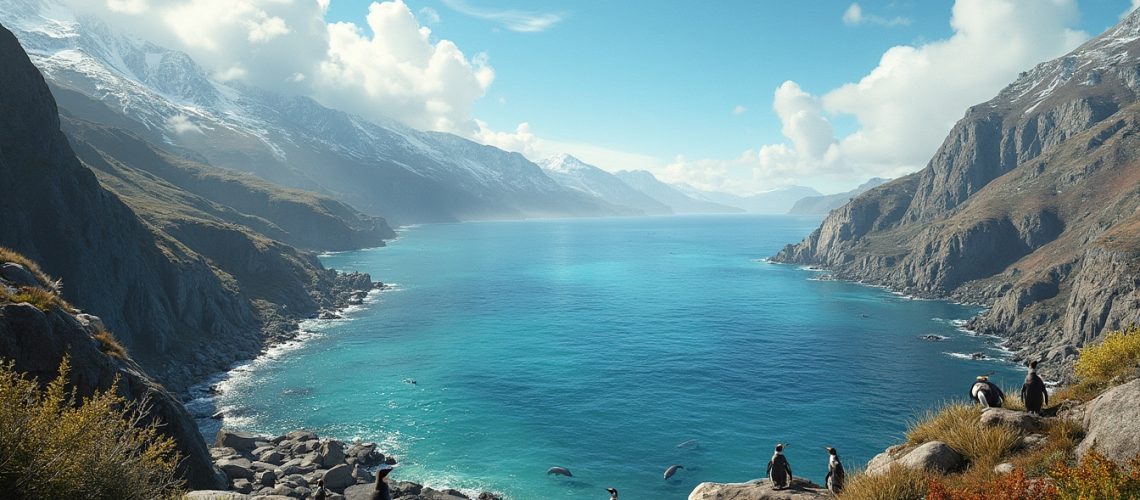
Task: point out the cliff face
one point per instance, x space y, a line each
1027 207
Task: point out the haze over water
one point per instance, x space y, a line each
600 345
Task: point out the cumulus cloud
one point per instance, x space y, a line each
904 107
514 20
854 16
739 110
429 15
387 67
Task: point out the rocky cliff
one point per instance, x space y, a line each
1029 207
188 284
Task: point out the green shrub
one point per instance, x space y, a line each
1118 355
54 446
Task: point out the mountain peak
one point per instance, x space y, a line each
564 162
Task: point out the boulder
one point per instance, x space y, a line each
1112 423
261 466
359 492
1024 422
933 456
339 477
267 478
223 452
1032 441
301 436
331 453
361 474
261 450
214 495
272 457
299 449
758 490
282 490
235 468
242 486
240 441
881 463
17 275
1003 468
91 321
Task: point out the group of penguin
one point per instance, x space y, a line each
1033 392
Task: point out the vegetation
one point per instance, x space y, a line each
110 345
52 445
898 483
1013 486
1118 356
9 255
43 300
1097 477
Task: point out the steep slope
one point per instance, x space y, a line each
36 341
574 174
821 205
670 196
776 201
1029 206
379 167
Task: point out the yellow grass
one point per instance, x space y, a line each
897 483
110 345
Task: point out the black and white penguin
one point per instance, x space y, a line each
986 393
835 474
779 471
1033 392
382 492
321 493
613 493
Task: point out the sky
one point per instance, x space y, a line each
739 96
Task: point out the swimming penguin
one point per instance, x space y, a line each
1033 392
986 393
613 493
382 492
779 471
561 471
672 470
835 474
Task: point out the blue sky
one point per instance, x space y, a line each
739 96
663 79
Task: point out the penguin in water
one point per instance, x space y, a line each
986 393
779 471
382 492
672 470
835 474
1033 392
559 471
613 493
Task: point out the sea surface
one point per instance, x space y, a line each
601 345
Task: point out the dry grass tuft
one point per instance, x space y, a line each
110 345
9 255
897 483
43 300
956 424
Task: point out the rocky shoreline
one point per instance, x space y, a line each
289 467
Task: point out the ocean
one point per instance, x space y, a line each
602 345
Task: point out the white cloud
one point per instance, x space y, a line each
854 16
429 15
388 66
739 110
525 22
181 124
904 107
128 6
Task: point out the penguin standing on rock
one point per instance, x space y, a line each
1033 392
382 492
835 474
986 393
779 471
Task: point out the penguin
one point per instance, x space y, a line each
1033 392
613 493
779 471
561 471
986 393
672 470
321 493
835 474
382 492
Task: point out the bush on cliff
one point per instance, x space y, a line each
1117 357
54 446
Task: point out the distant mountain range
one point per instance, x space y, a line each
821 205
680 202
574 174
776 201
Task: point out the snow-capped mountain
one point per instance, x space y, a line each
680 202
381 167
575 174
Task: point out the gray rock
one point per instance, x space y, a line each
260 450
300 449
235 468
278 439
758 490
331 453
1112 423
302 436
272 457
261 466
267 478
223 452
1032 441
311 460
91 321
359 492
242 486
17 275
881 463
214 495
361 474
339 477
934 456
1003 468
240 441
302 492
1024 422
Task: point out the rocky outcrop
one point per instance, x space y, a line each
1028 207
759 490
1112 423
934 456
36 341
291 466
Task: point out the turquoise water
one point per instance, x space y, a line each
600 345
